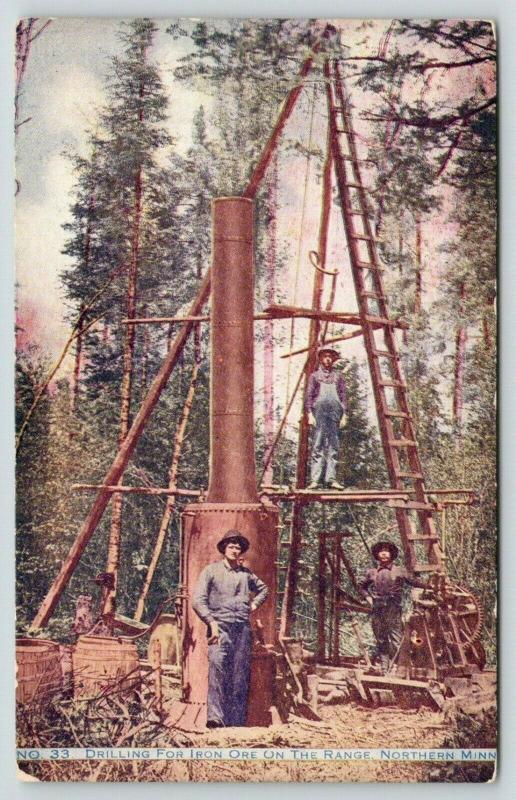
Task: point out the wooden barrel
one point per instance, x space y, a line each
38 670
103 664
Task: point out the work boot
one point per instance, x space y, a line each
313 485
335 485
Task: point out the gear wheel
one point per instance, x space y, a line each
469 612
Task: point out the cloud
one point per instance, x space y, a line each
39 242
70 103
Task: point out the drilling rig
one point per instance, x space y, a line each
441 649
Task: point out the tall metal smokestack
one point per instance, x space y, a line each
232 501
232 459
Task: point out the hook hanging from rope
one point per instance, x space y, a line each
315 261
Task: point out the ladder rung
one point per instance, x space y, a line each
357 213
401 414
386 354
355 186
363 237
423 538
369 265
373 295
402 443
393 383
416 475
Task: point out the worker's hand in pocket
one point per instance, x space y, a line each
343 421
311 418
214 631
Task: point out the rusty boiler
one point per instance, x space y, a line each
232 501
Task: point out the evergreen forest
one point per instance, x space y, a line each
137 240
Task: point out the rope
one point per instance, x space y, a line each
300 238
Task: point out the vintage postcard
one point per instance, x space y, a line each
256 400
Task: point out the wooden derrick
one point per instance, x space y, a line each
130 441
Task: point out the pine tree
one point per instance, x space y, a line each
127 213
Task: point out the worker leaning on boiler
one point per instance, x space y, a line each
224 597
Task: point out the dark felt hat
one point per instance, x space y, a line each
330 351
233 537
385 546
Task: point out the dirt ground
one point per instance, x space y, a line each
345 726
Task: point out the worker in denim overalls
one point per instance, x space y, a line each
326 405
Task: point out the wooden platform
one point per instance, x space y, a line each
350 495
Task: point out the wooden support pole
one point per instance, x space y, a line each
158 682
166 320
343 317
125 451
321 604
285 113
150 490
335 599
296 523
171 499
119 464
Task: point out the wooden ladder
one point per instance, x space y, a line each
416 525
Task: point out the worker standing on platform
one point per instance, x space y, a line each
383 586
326 405
223 600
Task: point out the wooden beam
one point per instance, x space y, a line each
120 462
285 113
165 320
344 317
151 490
180 320
326 342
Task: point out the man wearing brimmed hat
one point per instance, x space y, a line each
224 597
383 587
326 405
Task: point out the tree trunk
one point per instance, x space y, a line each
418 296
401 246
268 342
172 484
145 352
76 375
113 559
460 358
25 35
79 343
23 42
